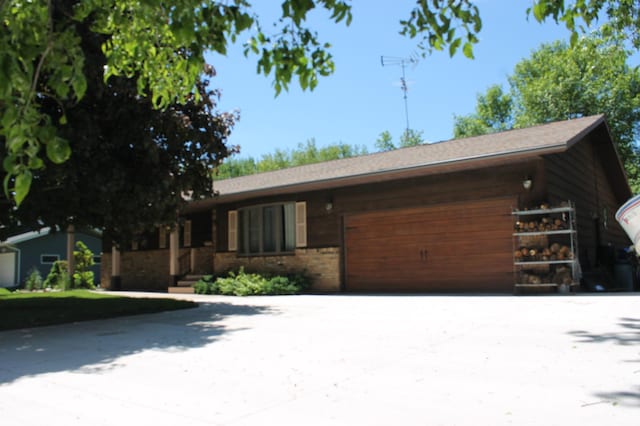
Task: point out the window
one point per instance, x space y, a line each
265 229
48 259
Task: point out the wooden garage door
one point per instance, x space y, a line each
453 247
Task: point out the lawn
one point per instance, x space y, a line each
24 310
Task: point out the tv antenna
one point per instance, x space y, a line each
402 62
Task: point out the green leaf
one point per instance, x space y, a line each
58 150
467 49
79 84
453 47
6 181
538 11
22 186
9 164
35 163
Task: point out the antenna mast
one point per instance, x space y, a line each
402 62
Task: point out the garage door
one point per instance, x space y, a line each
453 247
7 269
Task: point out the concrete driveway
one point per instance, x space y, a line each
335 360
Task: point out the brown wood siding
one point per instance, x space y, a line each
579 175
450 247
324 227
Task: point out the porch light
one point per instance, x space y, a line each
527 183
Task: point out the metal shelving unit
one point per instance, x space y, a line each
545 243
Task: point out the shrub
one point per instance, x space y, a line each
34 280
83 257
58 276
206 285
249 284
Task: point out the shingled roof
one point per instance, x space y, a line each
440 157
456 154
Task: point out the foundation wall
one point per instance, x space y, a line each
321 264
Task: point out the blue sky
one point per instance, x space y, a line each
363 98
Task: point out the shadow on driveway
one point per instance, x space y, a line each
94 346
628 337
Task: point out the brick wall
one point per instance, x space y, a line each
149 269
323 265
139 270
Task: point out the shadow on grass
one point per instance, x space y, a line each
94 346
629 336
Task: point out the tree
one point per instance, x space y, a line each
305 153
132 165
385 142
408 138
411 137
493 114
559 82
161 47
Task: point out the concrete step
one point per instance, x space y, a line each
185 285
193 278
180 290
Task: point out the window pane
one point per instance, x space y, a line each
269 229
254 230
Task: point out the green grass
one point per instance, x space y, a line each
24 310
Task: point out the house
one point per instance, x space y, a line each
21 253
435 217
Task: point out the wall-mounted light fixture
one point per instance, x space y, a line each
328 206
527 183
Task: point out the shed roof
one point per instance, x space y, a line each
456 154
42 232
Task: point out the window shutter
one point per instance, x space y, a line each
232 225
187 233
301 224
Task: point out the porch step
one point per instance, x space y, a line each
185 285
193 277
189 280
180 290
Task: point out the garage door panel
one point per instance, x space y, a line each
462 246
